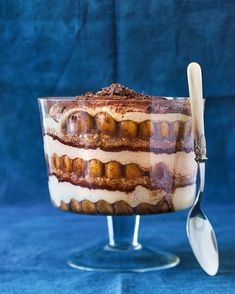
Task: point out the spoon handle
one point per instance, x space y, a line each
197 104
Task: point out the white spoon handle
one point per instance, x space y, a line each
197 104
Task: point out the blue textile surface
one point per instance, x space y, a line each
67 47
35 242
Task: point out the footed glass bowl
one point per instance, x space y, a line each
120 154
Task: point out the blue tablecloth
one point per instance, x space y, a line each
35 242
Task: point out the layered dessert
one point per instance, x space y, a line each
118 152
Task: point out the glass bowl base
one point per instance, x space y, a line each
106 258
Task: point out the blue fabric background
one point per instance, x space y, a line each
67 47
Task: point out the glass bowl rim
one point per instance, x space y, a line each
74 98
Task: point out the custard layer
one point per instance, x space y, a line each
63 191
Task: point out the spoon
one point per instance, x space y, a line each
199 230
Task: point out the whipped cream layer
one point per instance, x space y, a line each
182 197
180 162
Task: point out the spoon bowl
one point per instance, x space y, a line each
201 234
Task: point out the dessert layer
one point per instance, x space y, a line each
112 129
118 208
82 123
137 117
181 162
115 176
122 100
108 143
123 184
64 191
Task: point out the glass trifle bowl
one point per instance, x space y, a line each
121 154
